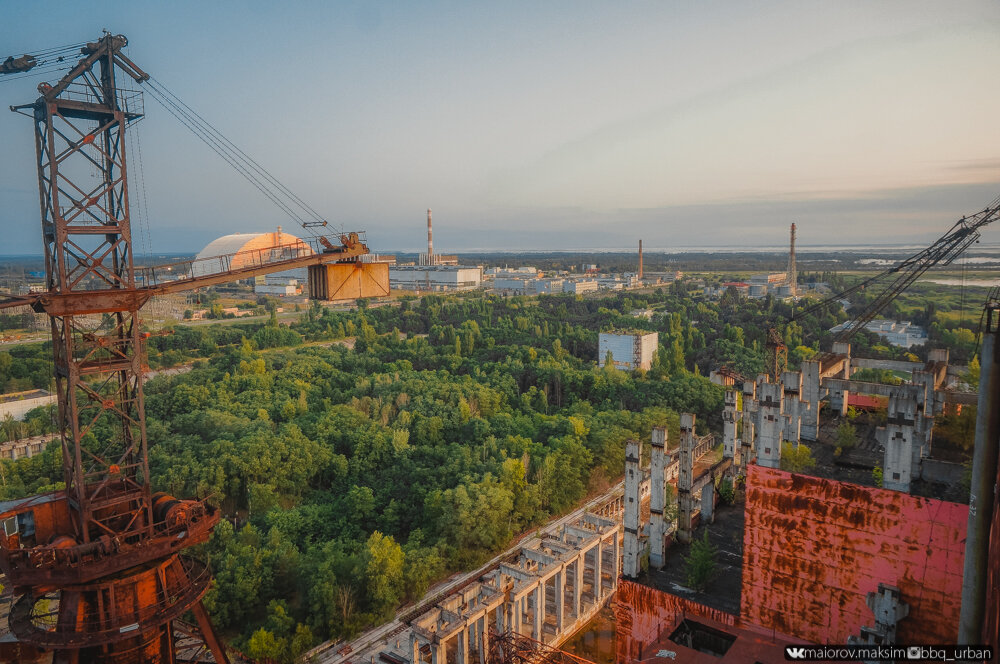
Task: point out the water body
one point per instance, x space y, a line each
982 283
596 640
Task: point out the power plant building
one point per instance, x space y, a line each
630 349
435 277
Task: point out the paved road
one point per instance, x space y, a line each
326 653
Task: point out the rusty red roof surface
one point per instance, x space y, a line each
814 548
869 401
646 617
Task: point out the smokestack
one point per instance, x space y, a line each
640 260
792 276
430 240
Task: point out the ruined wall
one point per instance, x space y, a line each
813 549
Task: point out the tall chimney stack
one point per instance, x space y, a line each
792 276
640 260
430 240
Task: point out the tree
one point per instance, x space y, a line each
847 436
384 572
796 458
700 563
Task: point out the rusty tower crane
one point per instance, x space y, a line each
99 569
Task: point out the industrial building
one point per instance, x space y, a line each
629 349
581 287
435 277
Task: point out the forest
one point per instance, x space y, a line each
353 478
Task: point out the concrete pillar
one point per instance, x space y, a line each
616 558
538 612
578 583
483 640
560 599
770 425
838 401
633 478
749 410
414 648
439 653
810 398
685 508
462 647
844 348
708 503
657 497
898 469
598 586
791 385
728 427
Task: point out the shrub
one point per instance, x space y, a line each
700 563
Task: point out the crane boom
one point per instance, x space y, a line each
965 232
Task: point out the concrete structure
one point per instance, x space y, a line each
791 386
633 476
629 349
26 447
729 413
640 260
897 472
435 277
685 479
810 394
770 424
17 404
748 438
658 462
552 588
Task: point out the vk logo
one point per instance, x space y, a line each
795 653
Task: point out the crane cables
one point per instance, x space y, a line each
47 61
283 197
942 252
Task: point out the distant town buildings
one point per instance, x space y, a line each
630 349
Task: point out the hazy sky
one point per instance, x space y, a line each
548 125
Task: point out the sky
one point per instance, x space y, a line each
545 126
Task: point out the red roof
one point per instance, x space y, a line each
868 401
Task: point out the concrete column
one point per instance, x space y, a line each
462 647
810 398
560 599
898 468
537 613
657 497
749 410
770 425
439 653
578 582
685 508
838 401
791 385
483 640
598 589
633 478
708 503
844 348
616 559
414 649
728 427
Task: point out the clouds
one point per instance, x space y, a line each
562 120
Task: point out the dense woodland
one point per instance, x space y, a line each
353 478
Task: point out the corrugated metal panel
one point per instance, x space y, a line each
814 548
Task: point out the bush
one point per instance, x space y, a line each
727 492
700 563
877 475
796 458
847 435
